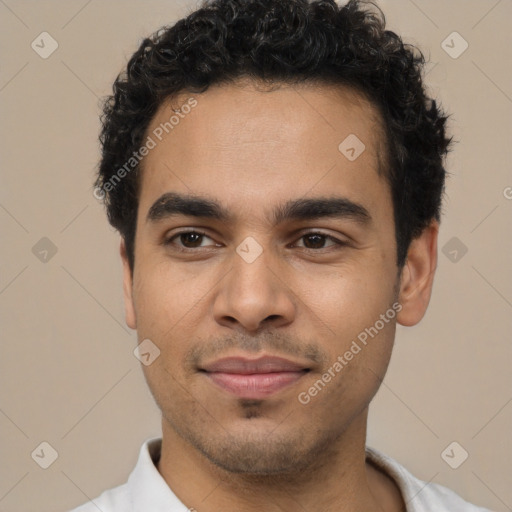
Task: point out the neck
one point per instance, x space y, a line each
338 481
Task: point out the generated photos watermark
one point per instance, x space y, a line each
355 348
151 142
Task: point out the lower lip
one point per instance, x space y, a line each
256 385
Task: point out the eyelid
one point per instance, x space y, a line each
311 231
317 231
168 240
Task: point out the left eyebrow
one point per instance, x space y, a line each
173 204
316 208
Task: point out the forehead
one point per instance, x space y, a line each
233 113
250 145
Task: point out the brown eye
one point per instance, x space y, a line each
316 240
187 240
191 239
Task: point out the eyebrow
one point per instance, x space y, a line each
173 204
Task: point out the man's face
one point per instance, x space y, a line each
259 284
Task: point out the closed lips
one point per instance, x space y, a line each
244 366
253 378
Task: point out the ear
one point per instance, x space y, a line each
129 307
417 276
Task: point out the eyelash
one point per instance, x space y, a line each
169 241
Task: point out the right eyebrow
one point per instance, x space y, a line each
172 204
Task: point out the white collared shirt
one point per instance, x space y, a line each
147 491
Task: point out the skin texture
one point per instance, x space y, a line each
301 299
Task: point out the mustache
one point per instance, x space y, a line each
273 343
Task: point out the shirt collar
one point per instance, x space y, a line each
147 488
149 491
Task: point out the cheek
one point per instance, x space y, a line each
347 384
347 306
347 300
167 386
164 297
170 304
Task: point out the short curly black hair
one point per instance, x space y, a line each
282 42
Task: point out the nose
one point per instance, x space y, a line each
254 295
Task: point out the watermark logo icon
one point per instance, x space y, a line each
454 455
44 45
454 45
351 147
44 250
44 455
146 352
249 249
454 250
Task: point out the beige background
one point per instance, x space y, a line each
67 372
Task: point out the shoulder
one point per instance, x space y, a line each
444 499
144 485
418 495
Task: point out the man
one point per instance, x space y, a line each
275 170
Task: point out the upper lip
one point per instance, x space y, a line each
246 366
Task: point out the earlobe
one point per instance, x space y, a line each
418 276
129 307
